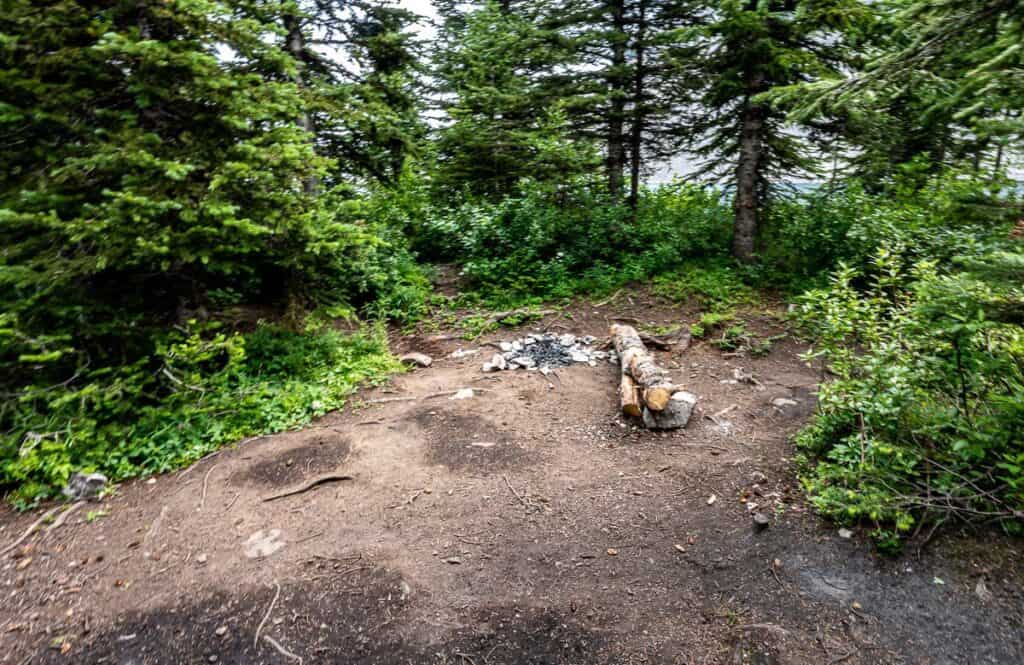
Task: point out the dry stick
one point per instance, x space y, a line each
206 480
305 487
29 530
725 411
259 628
517 495
64 516
281 650
608 300
228 507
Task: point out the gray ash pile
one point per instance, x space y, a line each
545 351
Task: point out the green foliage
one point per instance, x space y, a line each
715 284
924 418
557 241
202 389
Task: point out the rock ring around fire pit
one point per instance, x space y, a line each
541 352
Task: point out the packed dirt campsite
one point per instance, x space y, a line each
609 332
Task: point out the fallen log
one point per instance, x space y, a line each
629 395
645 389
654 383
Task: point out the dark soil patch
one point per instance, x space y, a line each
335 617
323 453
469 443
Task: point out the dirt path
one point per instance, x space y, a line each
528 524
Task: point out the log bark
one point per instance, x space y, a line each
629 394
654 383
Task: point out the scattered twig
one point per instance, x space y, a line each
308 538
514 492
370 422
64 516
28 531
308 485
388 400
607 300
725 411
206 481
270 608
467 658
281 650
232 502
414 398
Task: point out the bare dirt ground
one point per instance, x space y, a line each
530 524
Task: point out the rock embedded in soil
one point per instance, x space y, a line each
418 359
761 522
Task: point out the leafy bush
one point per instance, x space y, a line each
201 389
558 240
925 418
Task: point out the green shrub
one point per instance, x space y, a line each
925 418
200 390
554 241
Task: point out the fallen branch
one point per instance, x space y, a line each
305 487
28 531
206 480
270 608
608 300
281 650
64 516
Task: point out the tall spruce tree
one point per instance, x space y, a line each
151 154
505 122
745 50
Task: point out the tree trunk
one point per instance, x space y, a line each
748 175
296 44
617 101
639 110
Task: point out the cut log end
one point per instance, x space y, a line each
657 398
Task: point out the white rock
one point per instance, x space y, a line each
498 361
464 393
505 346
489 367
783 402
415 358
567 340
464 353
846 534
579 357
517 346
675 414
524 361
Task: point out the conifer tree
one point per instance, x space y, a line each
744 51
505 122
150 155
